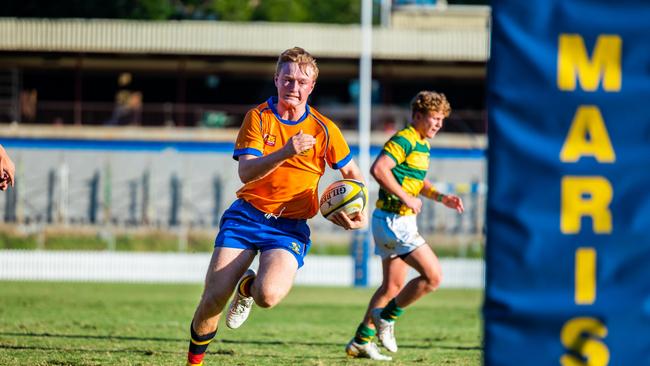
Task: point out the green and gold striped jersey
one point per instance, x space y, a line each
411 154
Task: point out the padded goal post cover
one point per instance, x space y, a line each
567 281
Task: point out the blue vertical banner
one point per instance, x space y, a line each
568 242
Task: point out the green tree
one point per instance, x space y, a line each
336 11
233 10
313 11
330 11
129 9
151 9
282 11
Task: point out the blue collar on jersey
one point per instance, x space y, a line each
272 101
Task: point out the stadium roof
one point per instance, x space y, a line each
456 41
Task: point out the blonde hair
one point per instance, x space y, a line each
299 56
428 101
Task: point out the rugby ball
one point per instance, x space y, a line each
348 195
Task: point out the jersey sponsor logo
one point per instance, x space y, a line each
269 139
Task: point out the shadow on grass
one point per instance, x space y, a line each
218 341
458 348
82 349
163 339
146 352
86 336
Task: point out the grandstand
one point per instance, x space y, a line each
193 73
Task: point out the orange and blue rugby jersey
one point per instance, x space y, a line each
411 155
291 190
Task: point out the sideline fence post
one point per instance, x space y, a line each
108 192
51 184
10 204
217 186
133 202
174 207
94 199
474 207
64 190
146 202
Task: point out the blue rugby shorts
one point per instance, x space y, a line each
245 227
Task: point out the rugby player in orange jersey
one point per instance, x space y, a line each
282 149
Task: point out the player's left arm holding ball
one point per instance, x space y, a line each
450 200
351 171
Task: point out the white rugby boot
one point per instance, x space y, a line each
368 350
240 306
385 330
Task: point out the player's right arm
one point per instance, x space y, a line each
381 170
252 167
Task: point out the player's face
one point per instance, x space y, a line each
428 124
294 85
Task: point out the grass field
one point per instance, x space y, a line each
137 324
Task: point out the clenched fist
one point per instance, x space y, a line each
299 143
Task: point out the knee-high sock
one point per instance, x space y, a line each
391 311
198 345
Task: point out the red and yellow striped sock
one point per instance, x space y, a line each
198 345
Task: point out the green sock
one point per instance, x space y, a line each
364 334
391 311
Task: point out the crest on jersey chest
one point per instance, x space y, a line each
269 139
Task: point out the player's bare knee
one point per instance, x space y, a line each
268 298
433 281
267 301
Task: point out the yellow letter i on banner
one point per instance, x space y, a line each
585 276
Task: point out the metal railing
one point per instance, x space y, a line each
129 202
225 115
